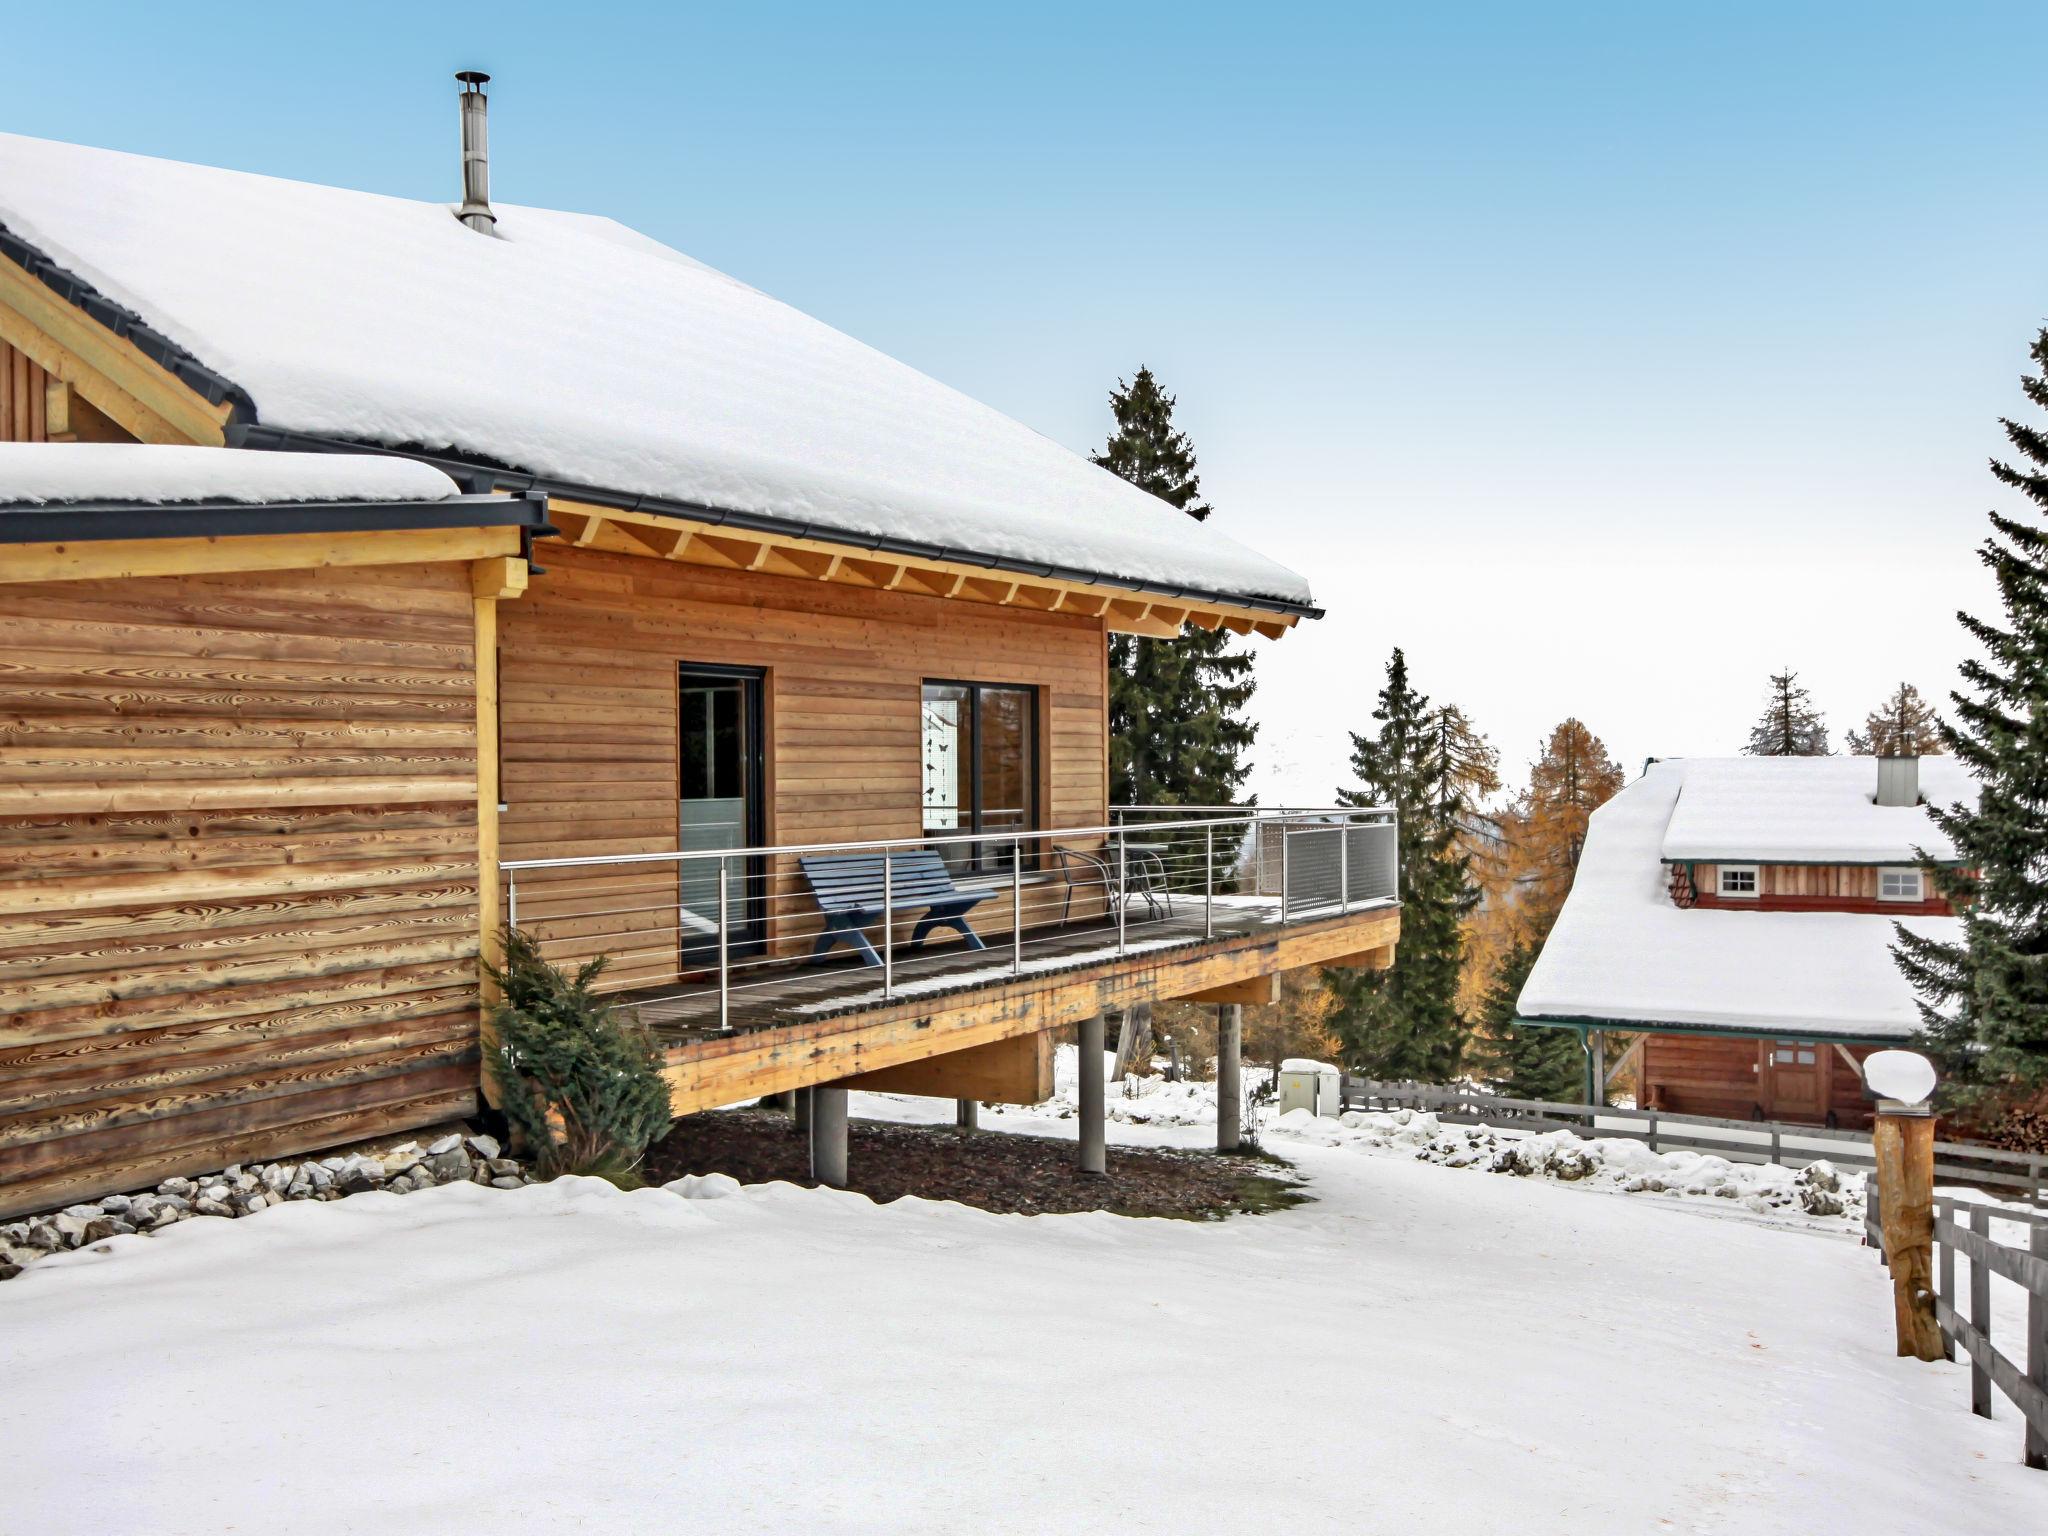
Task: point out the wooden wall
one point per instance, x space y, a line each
237 870
588 674
1811 887
24 398
1729 1077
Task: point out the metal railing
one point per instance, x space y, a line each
730 924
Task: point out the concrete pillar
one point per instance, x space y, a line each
786 1102
966 1113
1094 1155
828 1136
1229 1077
800 1115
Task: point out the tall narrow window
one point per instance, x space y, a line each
980 768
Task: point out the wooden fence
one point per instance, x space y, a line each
1964 1227
2021 1175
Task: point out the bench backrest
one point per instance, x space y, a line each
852 882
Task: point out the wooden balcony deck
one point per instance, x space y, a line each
797 1025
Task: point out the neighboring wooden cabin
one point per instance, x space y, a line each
269 729
1747 905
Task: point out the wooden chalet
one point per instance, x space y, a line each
684 619
1736 917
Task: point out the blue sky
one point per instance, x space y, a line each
1602 356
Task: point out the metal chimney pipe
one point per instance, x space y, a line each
476 153
1898 780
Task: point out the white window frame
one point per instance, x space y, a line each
1756 881
1902 872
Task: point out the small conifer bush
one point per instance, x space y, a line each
580 1080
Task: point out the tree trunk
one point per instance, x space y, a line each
1134 1042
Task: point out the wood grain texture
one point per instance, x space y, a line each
238 869
587 725
1731 1077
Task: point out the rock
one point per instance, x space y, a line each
446 1144
206 1205
172 1209
450 1163
9 1271
359 1174
1821 1175
485 1147
1727 1191
277 1177
1570 1165
319 1175
504 1167
70 1229
1816 1201
232 1171
20 1255
181 1187
44 1235
80 1212
506 1181
481 1174
105 1227
117 1205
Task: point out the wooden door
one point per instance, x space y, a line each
1794 1078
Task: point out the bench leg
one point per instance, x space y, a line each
923 930
850 936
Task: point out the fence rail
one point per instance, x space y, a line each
1963 1227
2024 1174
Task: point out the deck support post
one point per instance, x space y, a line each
800 1111
966 1113
1598 1048
1903 1141
828 1135
1229 1076
1094 1157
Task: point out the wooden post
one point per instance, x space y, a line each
1599 1065
1945 1258
2037 1345
1980 1314
1094 1156
1904 1143
1229 1077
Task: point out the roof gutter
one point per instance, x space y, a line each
481 473
95 521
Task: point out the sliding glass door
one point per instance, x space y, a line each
980 768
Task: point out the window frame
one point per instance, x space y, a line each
981 858
1902 871
1756 881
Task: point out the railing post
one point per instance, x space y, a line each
1343 866
724 952
1980 1312
888 926
1016 905
1286 883
1208 880
511 898
1123 895
1945 1271
1652 1137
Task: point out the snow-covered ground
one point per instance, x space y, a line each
1419 1346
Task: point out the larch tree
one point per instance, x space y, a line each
1297 1025
1403 1022
1904 725
1790 726
1178 732
1570 779
1984 998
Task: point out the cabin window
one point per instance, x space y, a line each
1899 885
980 768
1739 880
1795 1056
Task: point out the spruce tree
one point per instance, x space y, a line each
1178 735
1790 726
1403 1022
1904 725
1521 1060
1984 999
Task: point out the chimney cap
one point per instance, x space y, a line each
475 77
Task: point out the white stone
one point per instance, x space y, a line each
485 1147
446 1144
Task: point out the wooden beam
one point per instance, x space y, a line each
1237 624
57 403
116 559
1362 960
1272 629
1013 1071
1854 1065
112 372
1259 991
499 576
593 525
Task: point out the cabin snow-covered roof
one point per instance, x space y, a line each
1807 810
49 474
569 347
1622 953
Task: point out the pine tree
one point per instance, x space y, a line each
1984 1000
1904 725
1178 735
1790 726
1571 778
1521 1060
1403 1022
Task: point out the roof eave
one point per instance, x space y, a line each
83 522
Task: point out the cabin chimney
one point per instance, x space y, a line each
1898 780
476 153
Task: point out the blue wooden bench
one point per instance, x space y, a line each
848 890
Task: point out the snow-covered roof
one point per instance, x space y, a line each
571 347
1807 810
1621 952
52 474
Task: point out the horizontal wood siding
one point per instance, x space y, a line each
1813 888
1727 1076
588 674
237 870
